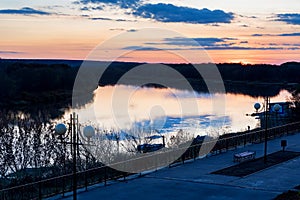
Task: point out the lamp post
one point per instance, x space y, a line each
257 106
74 141
88 132
265 110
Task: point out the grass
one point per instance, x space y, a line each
252 166
289 195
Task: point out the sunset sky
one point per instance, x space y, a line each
254 31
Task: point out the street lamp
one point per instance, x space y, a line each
265 109
88 132
74 141
257 106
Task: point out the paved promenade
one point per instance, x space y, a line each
194 180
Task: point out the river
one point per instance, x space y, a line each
168 110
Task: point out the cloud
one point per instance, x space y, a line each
206 42
24 11
212 43
142 48
293 18
101 18
122 29
165 12
119 3
290 34
170 13
294 44
10 52
132 30
257 35
214 24
250 17
52 7
116 29
282 34
226 38
108 19
181 41
244 48
149 48
86 8
122 20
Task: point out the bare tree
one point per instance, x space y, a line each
25 143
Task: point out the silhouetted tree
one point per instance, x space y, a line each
26 143
296 104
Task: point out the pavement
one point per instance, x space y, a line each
193 180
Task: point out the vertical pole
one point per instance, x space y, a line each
73 121
86 165
71 133
40 190
64 167
266 128
105 175
77 141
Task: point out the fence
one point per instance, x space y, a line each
62 184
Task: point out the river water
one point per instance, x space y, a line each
167 110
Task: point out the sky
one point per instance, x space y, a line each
152 30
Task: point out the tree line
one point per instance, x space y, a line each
25 84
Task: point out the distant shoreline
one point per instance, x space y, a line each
38 82
79 62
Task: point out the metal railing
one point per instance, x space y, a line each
62 184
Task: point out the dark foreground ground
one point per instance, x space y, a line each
194 180
252 166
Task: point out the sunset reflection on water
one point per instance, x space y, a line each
168 110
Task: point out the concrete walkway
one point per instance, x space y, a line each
194 181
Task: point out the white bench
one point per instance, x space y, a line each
247 155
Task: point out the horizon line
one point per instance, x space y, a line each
118 61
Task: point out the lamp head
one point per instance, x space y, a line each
89 132
60 129
257 106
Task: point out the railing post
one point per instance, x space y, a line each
63 185
260 136
40 190
22 192
236 142
105 175
85 179
226 144
194 151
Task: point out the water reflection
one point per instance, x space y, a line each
165 110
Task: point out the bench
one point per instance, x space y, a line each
247 155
